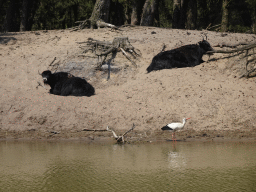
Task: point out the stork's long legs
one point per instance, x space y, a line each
173 136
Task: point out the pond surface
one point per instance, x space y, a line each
78 166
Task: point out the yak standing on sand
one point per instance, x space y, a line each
185 56
65 84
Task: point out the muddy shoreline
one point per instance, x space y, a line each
133 137
221 106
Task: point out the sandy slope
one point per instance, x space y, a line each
211 93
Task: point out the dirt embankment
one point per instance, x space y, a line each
219 103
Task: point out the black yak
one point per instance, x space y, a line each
185 56
65 84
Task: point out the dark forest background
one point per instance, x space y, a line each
228 15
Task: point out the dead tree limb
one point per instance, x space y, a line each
52 61
89 22
133 126
94 130
120 139
101 23
231 45
247 47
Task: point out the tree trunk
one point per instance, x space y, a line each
75 11
12 15
1 3
254 20
224 22
179 14
192 14
254 25
24 16
100 11
118 10
136 12
203 16
150 13
126 13
33 6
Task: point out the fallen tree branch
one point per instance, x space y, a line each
120 138
133 126
101 23
94 130
231 45
247 47
88 22
52 61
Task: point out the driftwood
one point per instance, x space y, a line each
88 22
104 48
120 139
245 48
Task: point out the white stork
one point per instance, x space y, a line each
174 127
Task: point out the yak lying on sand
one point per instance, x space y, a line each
65 84
185 56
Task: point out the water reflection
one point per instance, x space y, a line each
177 160
67 166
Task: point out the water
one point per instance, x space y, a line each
78 166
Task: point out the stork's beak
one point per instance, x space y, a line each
188 118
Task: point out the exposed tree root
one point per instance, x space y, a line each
104 48
245 49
